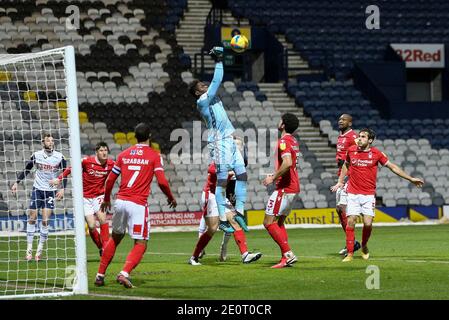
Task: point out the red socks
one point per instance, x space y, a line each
284 231
343 218
278 236
201 244
240 239
95 237
350 237
366 233
104 232
134 257
108 254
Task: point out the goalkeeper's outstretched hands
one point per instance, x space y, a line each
216 53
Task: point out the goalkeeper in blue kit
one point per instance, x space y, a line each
222 148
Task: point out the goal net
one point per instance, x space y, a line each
38 97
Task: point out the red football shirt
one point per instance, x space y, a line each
137 165
363 169
344 141
211 181
288 145
94 176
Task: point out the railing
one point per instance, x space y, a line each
325 67
198 58
215 17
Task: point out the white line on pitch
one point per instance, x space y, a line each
305 257
100 295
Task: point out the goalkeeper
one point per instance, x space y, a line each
222 148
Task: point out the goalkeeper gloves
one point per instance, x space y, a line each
216 53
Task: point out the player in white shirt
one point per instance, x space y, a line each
48 163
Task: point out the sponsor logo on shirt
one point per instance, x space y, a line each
361 163
47 167
96 173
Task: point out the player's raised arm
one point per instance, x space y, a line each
398 171
29 165
217 54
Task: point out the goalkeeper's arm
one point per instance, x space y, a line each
217 55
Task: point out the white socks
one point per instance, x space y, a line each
31 229
43 238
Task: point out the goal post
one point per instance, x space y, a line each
80 284
38 94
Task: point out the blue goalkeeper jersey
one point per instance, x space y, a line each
212 110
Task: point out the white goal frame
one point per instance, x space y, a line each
80 285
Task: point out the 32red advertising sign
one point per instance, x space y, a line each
421 55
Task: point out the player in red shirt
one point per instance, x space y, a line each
287 188
362 161
346 139
95 171
212 219
136 165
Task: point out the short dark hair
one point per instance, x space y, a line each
46 135
371 133
290 121
192 87
142 132
101 144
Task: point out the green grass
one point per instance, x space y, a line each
413 263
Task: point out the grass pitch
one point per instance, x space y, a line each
413 263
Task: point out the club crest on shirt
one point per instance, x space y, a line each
139 152
370 155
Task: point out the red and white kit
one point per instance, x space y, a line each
287 186
137 165
344 142
362 185
94 177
